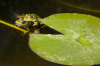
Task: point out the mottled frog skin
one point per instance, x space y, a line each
31 17
27 21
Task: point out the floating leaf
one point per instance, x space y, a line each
79 46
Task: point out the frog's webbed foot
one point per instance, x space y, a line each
23 34
26 28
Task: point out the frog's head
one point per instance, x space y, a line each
31 17
21 23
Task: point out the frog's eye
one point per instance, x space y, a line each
30 16
23 22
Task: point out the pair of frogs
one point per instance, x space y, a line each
29 20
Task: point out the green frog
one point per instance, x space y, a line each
32 18
29 20
21 23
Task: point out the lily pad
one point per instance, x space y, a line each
79 46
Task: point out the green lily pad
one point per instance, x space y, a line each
79 46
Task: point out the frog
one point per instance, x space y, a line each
28 21
32 18
21 23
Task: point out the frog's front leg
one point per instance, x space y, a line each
35 22
27 29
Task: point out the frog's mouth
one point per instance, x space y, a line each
20 25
